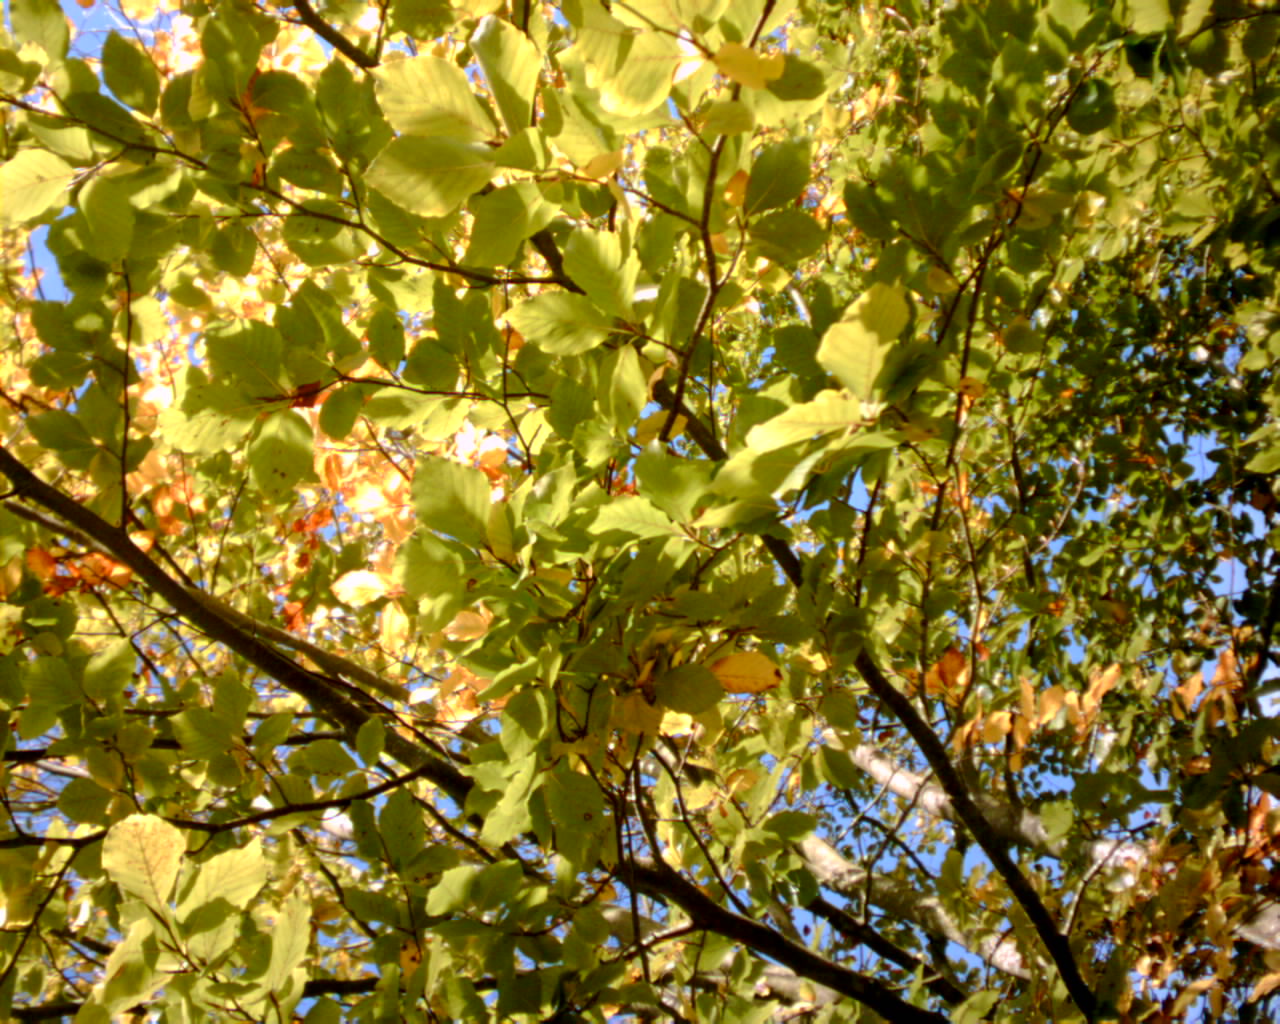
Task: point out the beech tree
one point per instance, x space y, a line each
696 510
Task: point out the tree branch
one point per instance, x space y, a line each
993 844
657 879
308 16
327 696
903 900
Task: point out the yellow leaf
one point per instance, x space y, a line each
603 165
676 723
394 628
1051 702
744 66
1021 732
997 727
1027 698
1101 683
360 586
410 956
746 672
469 624
634 714
142 854
649 427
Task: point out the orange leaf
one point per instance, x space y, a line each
42 564
949 676
735 193
1099 686
746 672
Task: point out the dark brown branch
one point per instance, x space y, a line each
656 879
327 696
308 16
851 928
314 987
993 845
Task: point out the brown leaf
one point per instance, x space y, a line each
949 675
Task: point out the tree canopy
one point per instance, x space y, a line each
693 510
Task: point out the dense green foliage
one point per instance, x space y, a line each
698 510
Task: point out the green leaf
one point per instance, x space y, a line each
109 671
430 97
634 518
790 826
778 176
1093 108
130 74
32 182
84 801
41 22
234 249
511 64
386 338
503 219
691 689
290 937
753 473
202 734
977 1007
453 890
401 827
432 366
371 740
1266 461
511 815
233 875
142 855
308 168
560 323
1146 16
280 456
727 117
598 263
576 807
787 236
828 412
430 176
452 499
856 348
105 203
64 433
800 80
635 67
341 409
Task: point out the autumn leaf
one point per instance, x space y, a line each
744 66
746 672
949 675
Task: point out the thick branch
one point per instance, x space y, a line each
993 844
902 900
327 696
658 880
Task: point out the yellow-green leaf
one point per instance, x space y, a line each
142 855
